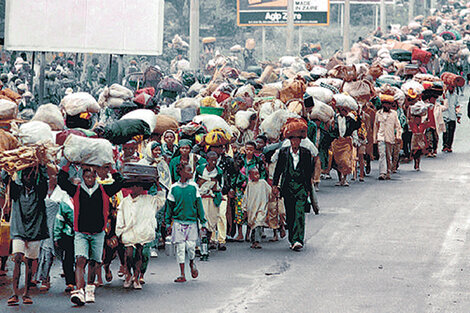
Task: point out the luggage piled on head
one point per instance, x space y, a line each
451 79
389 79
420 55
212 122
139 173
62 136
23 157
295 127
419 108
322 111
138 124
164 123
412 88
292 89
143 114
114 96
7 141
346 73
8 109
79 102
320 93
273 124
10 95
361 90
143 97
51 115
401 55
91 151
35 132
345 101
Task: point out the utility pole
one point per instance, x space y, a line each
346 26
383 16
194 35
263 43
411 10
290 27
41 78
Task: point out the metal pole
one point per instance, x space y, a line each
194 35
346 26
300 38
290 27
121 69
263 43
84 68
31 81
383 22
376 17
342 19
41 78
108 78
411 9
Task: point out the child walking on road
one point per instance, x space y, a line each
184 209
255 205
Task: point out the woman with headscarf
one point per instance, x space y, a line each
154 156
185 157
169 146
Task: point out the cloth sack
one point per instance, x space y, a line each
92 151
8 110
50 114
79 102
35 132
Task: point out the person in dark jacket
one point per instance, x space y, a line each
295 166
91 209
28 223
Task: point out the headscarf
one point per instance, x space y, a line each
185 142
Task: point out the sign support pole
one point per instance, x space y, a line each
346 26
41 78
376 17
263 43
290 27
194 35
342 19
383 22
411 13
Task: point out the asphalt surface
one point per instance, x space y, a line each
378 246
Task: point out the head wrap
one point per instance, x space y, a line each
129 143
216 137
185 142
155 144
295 127
387 98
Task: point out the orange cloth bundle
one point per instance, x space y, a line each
295 127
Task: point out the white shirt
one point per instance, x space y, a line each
341 125
295 157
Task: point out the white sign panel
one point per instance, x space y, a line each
87 26
362 1
274 12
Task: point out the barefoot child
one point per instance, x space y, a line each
135 227
184 208
255 205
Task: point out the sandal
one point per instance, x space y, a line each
274 239
13 300
27 300
108 276
194 272
180 279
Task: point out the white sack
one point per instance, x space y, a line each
92 151
51 115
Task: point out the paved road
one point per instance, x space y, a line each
378 246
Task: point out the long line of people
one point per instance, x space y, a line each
236 153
